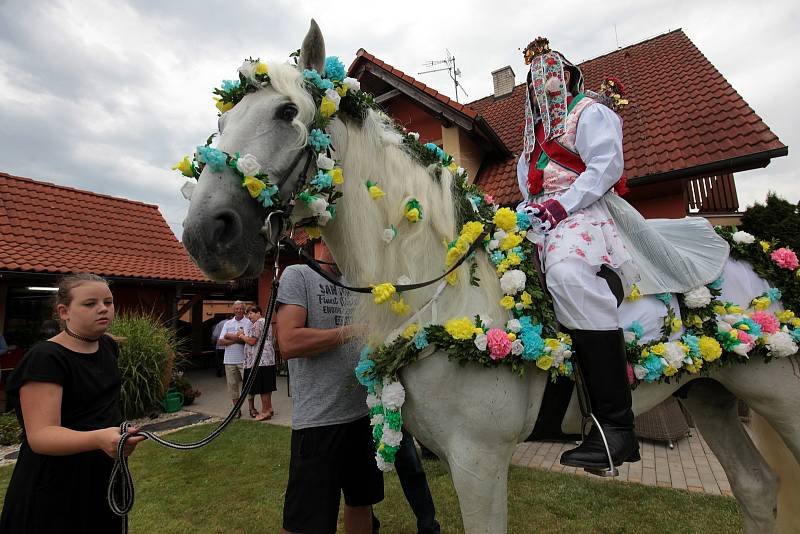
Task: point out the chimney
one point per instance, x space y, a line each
503 79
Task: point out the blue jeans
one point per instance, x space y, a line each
415 487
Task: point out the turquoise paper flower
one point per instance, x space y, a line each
216 159
334 69
318 139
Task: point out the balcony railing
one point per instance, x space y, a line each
708 195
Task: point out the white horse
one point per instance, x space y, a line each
471 416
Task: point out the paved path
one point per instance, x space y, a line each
689 466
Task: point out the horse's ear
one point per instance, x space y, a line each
312 53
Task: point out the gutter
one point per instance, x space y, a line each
731 165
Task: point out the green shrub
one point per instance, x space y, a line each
778 219
9 429
148 353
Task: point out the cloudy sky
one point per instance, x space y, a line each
106 95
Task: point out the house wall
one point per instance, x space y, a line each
661 200
158 300
466 152
415 118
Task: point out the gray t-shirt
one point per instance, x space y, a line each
324 387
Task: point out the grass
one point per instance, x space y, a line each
236 485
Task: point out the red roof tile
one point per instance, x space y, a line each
363 55
54 229
683 113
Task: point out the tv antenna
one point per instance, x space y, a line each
451 69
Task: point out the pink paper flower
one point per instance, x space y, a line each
489 199
785 258
631 375
499 345
769 323
744 337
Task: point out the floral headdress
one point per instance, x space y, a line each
546 79
332 92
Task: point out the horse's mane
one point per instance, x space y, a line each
371 148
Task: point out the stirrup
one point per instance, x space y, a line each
587 415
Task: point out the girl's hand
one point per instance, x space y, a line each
108 439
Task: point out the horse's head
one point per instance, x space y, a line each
223 229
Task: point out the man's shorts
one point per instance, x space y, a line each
326 462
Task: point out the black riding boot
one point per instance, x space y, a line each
601 356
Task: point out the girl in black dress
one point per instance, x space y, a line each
66 396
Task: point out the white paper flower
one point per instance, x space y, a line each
187 189
372 400
324 218
722 326
388 235
376 420
674 355
743 237
518 306
514 326
499 235
248 165
742 349
460 171
352 83
486 320
639 371
731 318
393 395
391 437
382 465
517 347
333 96
494 244
248 69
781 344
480 342
324 162
630 337
318 205
512 282
697 297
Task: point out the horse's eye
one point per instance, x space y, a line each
287 112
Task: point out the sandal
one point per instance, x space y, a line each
253 413
264 417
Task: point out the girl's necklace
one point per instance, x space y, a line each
79 337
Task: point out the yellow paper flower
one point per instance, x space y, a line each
383 292
452 278
565 338
526 300
761 303
342 90
544 362
472 230
511 336
735 309
400 307
452 167
511 240
224 107
710 349
376 192
675 325
765 246
505 219
313 232
720 310
552 343
461 329
669 370
635 293
261 68
785 316
658 349
412 215
327 107
694 321
513 259
254 186
502 267
462 245
452 256
795 322
478 330
410 330
185 166
336 176
507 302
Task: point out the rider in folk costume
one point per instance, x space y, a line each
593 245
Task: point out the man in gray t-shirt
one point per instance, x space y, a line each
332 451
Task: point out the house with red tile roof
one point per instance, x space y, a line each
48 230
686 130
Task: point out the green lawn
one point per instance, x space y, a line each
236 485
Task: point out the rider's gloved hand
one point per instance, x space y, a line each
546 215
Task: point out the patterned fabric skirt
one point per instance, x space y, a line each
588 235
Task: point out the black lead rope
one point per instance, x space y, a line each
315 266
120 485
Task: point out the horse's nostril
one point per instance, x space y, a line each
226 227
